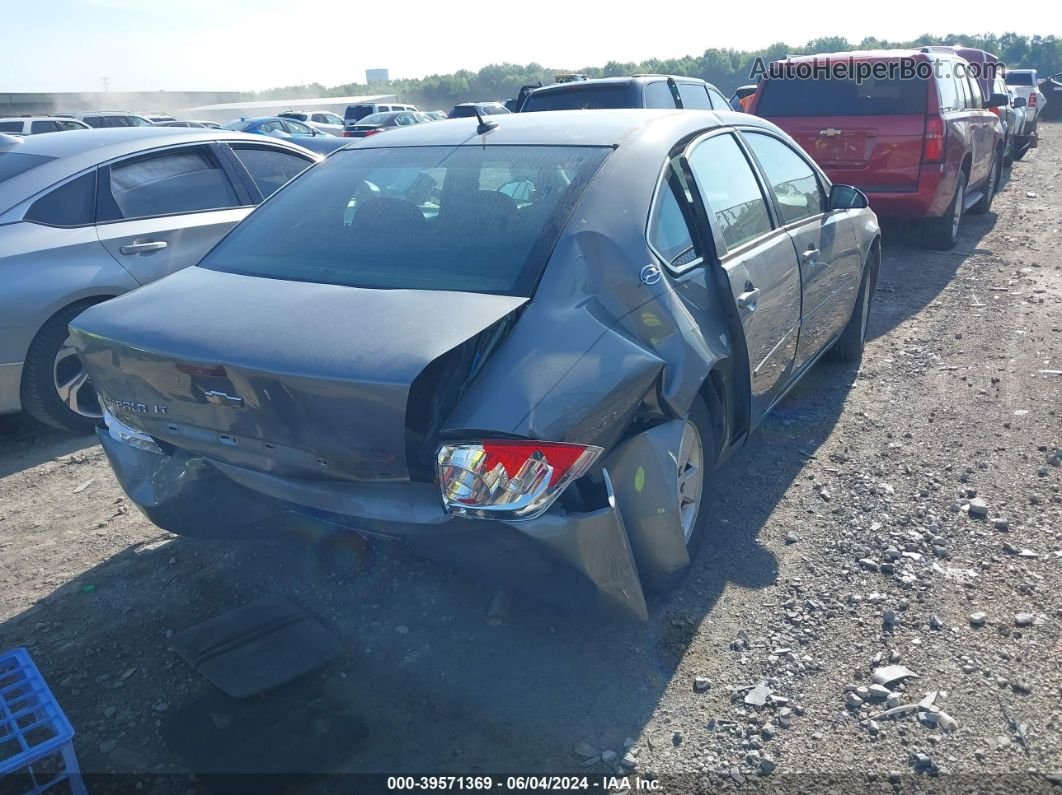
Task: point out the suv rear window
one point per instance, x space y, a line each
1019 78
356 112
467 218
580 98
891 96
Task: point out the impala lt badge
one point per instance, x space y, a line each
223 399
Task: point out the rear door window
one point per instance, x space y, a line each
658 95
466 218
947 93
962 87
71 204
719 102
11 126
96 121
270 169
694 97
889 96
181 181
794 182
44 126
730 190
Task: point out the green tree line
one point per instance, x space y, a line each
727 69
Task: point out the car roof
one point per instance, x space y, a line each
873 55
77 150
563 128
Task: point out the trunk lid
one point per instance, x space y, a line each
296 378
871 152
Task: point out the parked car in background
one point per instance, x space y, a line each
355 113
741 97
1016 141
155 118
35 125
323 120
554 377
438 115
640 91
86 217
198 124
1026 84
381 122
465 110
111 118
1051 88
274 126
929 149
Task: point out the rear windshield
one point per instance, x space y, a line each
469 218
14 163
890 96
378 118
463 111
580 98
355 112
1019 78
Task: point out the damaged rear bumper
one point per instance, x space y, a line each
569 559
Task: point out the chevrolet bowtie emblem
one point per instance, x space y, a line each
830 131
223 399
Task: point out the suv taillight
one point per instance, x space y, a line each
933 150
1032 99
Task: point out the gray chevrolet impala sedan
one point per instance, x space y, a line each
521 344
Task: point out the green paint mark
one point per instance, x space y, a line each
639 479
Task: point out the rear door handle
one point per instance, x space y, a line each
140 248
747 300
810 255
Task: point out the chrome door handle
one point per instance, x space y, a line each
140 248
810 256
747 300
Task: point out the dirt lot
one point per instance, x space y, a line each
846 539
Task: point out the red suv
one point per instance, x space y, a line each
910 128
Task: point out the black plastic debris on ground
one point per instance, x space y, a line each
257 647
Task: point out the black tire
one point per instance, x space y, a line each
849 346
943 233
39 395
984 204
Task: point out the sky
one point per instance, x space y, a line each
249 45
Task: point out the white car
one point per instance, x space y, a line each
323 120
1025 84
33 125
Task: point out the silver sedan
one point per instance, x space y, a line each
96 213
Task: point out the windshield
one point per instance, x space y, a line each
889 96
469 218
580 97
14 163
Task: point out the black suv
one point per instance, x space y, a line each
639 91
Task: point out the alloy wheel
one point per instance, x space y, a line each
690 478
72 383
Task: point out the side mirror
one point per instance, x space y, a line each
847 197
1019 102
997 101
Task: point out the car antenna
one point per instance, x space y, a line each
484 126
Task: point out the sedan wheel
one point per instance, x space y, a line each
72 383
690 464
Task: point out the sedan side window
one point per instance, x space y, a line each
71 204
729 188
794 182
182 181
43 126
269 168
719 102
669 231
694 97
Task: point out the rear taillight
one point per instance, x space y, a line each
933 150
1032 100
509 479
348 134
997 111
370 132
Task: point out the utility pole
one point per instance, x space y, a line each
106 83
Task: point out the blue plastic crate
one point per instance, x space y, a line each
36 739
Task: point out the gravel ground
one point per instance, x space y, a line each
908 514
